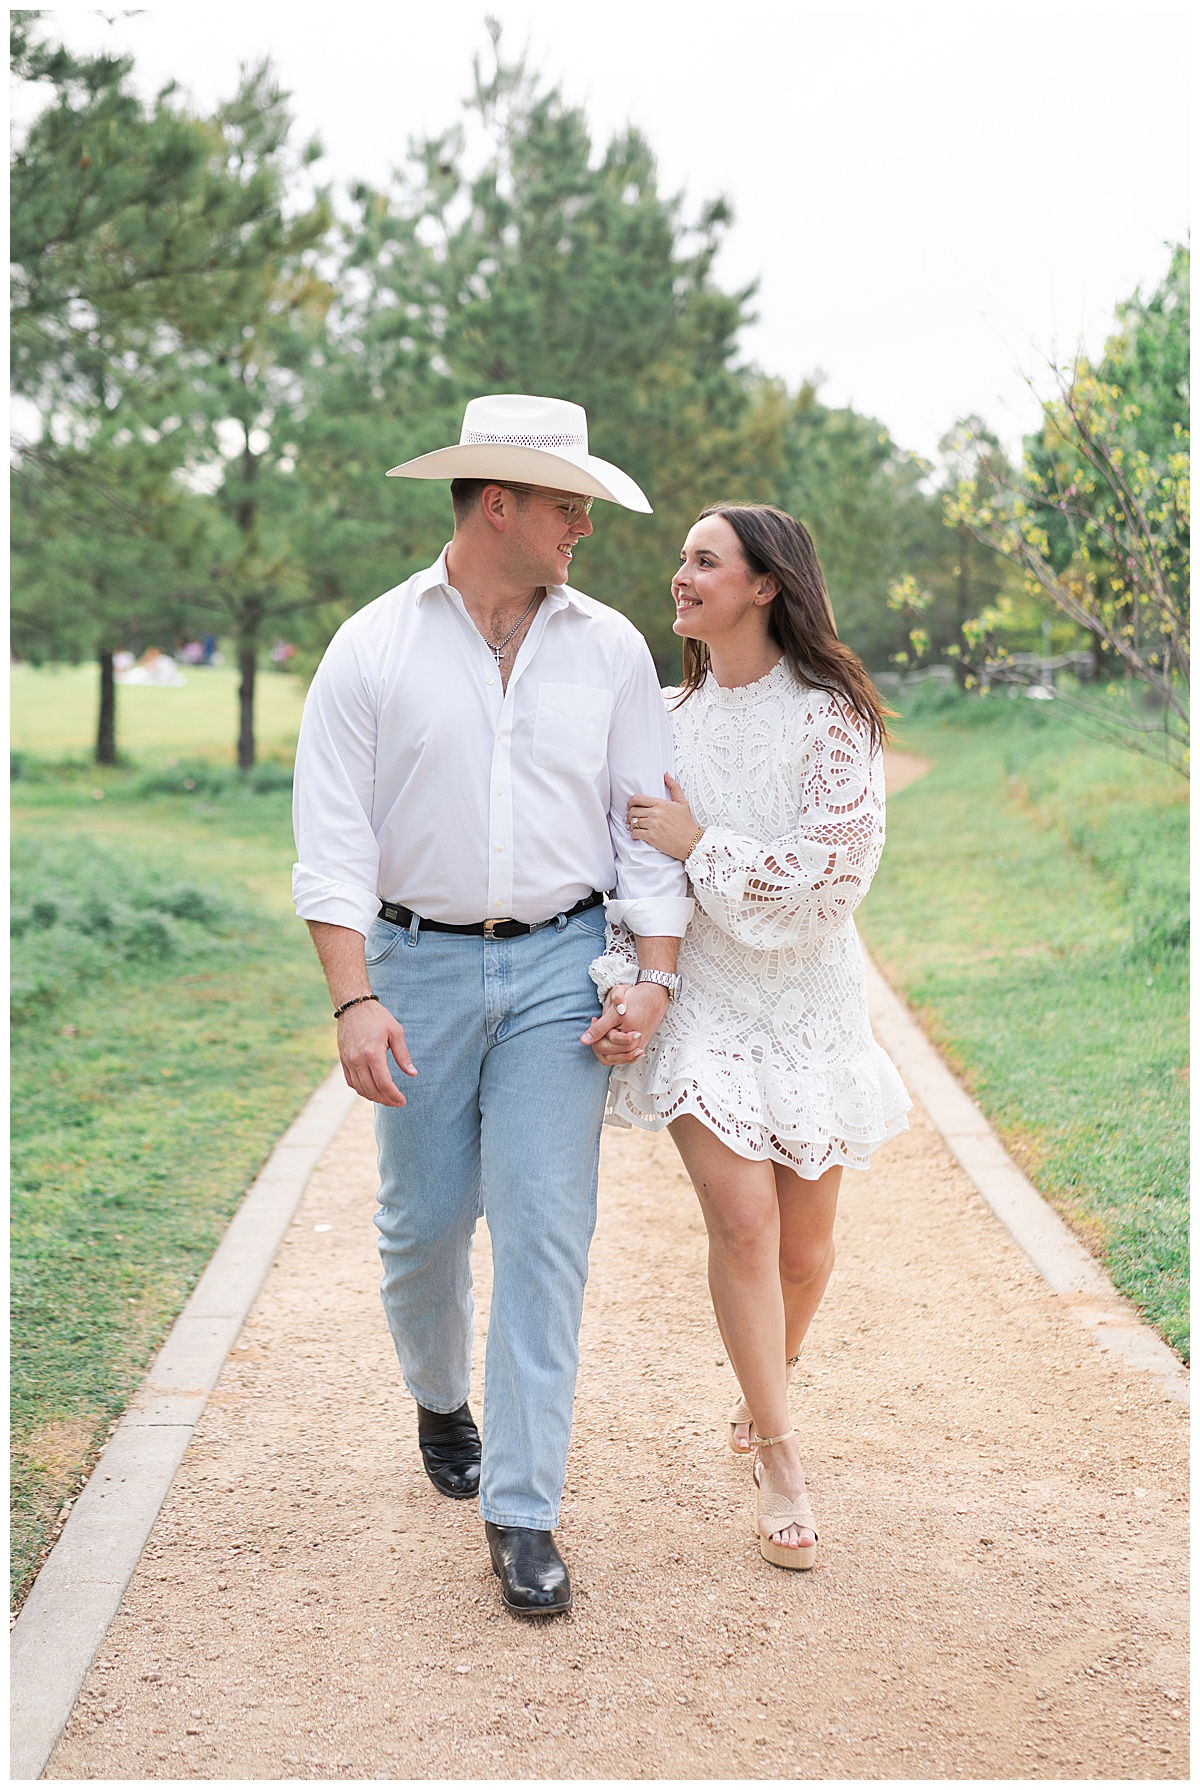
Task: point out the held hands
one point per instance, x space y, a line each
633 1012
365 1035
670 827
631 1016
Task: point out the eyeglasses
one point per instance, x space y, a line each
573 508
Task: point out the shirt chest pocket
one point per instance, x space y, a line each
570 728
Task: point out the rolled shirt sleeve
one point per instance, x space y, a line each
336 879
651 896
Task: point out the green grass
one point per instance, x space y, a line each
54 711
170 1021
1032 906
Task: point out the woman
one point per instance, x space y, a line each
764 1068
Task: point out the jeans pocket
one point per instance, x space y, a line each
382 941
592 923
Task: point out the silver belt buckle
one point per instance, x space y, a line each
489 927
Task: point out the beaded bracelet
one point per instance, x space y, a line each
356 1002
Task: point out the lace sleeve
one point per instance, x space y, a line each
796 890
620 960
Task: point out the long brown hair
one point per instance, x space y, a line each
800 617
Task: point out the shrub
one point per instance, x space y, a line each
27 767
915 701
78 910
199 777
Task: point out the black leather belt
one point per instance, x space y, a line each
396 915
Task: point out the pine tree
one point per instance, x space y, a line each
243 387
162 280
512 257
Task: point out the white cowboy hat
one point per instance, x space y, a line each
530 441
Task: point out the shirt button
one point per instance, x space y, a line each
491 680
499 848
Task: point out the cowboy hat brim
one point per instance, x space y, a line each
589 476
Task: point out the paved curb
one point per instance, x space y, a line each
1058 1256
79 1588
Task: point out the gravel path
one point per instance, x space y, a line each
902 768
1001 1590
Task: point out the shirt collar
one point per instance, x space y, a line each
434 577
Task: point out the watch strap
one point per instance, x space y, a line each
663 979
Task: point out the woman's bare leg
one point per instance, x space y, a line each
740 1202
807 1210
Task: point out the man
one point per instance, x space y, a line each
468 748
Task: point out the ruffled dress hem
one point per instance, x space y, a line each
809 1149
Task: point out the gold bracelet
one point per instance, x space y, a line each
695 842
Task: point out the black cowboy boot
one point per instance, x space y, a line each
449 1444
533 1575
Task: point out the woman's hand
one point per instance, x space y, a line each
631 1016
670 827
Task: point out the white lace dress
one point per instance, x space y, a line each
770 1044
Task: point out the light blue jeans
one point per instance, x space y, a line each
503 1119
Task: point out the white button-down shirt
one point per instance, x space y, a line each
421 780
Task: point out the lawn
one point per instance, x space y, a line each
170 1020
1032 906
54 711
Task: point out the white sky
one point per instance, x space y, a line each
934 196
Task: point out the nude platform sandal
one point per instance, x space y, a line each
774 1513
739 1412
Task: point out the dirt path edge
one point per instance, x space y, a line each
78 1591
1061 1260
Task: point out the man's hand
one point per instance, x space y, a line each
629 1020
365 1035
366 1031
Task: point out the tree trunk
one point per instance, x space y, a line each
250 613
106 725
962 585
248 666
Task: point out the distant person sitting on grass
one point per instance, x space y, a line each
154 667
468 748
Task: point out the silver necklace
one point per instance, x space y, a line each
497 652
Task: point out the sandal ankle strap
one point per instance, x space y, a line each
770 1441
